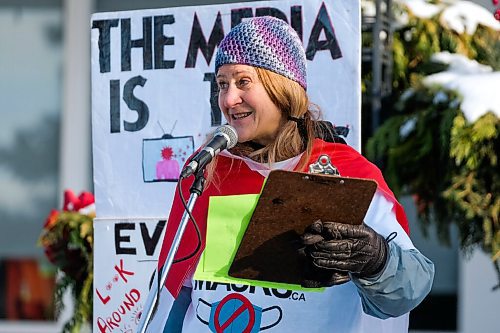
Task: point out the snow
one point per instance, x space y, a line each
460 63
407 127
459 16
368 8
465 16
477 84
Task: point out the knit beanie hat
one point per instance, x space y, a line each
265 42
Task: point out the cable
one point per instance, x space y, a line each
191 217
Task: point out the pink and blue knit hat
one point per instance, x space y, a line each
265 42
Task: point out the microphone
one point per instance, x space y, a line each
225 137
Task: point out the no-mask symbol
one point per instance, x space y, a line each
235 313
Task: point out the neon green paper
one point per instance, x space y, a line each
228 217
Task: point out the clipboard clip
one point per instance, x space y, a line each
324 166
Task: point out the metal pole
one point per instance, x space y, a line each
152 300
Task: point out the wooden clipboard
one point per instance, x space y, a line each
291 201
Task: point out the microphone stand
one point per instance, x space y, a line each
152 301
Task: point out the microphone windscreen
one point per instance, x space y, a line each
230 134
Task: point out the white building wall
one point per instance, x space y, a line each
478 305
75 157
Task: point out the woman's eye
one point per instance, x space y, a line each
243 82
222 85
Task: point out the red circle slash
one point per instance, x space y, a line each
245 306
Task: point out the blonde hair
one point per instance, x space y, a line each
293 101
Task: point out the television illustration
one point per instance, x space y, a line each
163 158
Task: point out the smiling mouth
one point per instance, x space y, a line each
240 115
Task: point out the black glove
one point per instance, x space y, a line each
336 249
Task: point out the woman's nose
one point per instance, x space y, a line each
231 97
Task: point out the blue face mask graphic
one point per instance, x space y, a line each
235 314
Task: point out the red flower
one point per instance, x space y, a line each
51 219
73 203
495 2
85 199
70 201
497 14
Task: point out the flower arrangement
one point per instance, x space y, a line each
67 239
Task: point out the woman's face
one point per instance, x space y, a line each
246 104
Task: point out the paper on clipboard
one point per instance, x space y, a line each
291 201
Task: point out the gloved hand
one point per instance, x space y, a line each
335 249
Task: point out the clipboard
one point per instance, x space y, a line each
291 201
